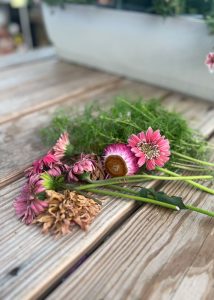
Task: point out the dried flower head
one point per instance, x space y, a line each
65 210
150 148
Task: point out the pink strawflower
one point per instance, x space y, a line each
27 205
210 61
150 148
61 146
43 164
119 160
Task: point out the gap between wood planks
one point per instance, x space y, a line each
10 171
77 93
29 269
15 175
149 256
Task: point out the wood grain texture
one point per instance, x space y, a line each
39 261
21 135
31 262
30 88
157 254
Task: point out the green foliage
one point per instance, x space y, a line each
95 128
162 197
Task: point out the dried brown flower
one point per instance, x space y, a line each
65 210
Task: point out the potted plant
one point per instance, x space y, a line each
165 51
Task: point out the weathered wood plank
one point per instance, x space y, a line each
60 82
21 135
27 57
157 254
39 261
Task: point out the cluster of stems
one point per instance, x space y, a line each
122 192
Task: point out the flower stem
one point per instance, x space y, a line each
138 110
186 167
201 162
137 178
200 210
137 198
195 184
190 207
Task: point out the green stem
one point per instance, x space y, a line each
183 167
195 184
151 177
138 110
200 210
201 162
137 178
122 122
190 207
137 198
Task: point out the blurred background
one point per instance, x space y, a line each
125 37
22 27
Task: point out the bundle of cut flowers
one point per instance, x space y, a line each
97 152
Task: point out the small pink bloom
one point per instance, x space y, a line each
210 61
150 148
83 165
43 164
119 160
27 205
86 164
61 145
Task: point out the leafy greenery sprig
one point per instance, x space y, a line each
95 128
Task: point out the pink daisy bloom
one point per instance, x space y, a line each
61 145
119 160
150 148
43 164
210 61
27 205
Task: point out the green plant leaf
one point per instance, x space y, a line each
163 197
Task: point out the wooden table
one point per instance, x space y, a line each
130 252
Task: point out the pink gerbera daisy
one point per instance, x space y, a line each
150 148
47 162
61 145
27 205
210 61
119 160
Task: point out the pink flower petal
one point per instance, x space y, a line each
133 140
150 164
142 160
149 134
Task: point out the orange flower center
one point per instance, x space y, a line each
116 166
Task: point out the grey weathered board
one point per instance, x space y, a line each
150 253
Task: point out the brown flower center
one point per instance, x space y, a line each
151 151
116 166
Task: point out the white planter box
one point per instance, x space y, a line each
166 52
